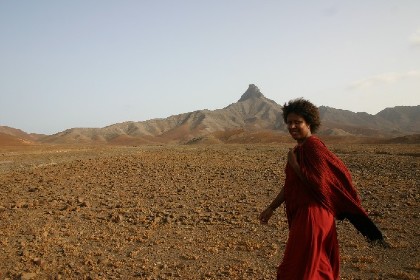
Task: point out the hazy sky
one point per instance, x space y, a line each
66 64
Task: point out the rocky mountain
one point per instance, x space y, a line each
403 117
252 112
397 121
252 119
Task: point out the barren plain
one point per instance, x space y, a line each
188 212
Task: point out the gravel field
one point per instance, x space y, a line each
188 212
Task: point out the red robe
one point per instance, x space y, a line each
312 205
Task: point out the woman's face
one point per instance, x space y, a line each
298 128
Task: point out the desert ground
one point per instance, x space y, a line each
188 211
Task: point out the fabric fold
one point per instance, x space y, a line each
330 182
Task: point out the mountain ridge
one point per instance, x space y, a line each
253 116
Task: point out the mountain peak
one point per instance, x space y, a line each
252 92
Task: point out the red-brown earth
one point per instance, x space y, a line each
188 212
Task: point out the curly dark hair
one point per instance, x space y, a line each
304 108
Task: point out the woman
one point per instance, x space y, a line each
317 189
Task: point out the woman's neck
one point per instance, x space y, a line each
301 141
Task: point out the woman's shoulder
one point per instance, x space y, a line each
314 146
314 141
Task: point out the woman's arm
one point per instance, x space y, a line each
291 157
268 212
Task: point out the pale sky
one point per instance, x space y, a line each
66 64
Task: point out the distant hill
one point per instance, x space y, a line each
15 137
407 139
252 119
406 118
379 125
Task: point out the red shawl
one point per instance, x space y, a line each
329 181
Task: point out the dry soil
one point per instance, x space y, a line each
187 212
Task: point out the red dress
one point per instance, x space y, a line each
327 193
312 248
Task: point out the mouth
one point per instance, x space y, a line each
294 134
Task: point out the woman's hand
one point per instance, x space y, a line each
266 215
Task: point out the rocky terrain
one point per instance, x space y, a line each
187 211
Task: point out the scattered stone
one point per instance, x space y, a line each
187 212
117 218
28 276
39 261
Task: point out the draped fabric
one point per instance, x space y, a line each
312 250
312 205
330 183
